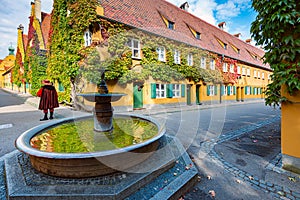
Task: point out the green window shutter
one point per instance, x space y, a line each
216 90
153 90
246 88
234 90
61 87
182 90
228 90
222 90
250 89
169 91
207 90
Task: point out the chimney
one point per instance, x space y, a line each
185 6
38 13
237 35
222 25
248 41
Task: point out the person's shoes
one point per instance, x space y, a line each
51 115
45 118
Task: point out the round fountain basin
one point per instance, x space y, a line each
91 161
102 98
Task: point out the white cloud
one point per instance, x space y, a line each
13 13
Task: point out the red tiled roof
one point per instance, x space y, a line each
146 15
45 26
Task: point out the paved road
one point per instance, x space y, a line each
196 126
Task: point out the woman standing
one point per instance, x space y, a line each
49 99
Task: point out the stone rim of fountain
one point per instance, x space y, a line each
23 141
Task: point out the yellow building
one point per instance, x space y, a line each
230 69
5 67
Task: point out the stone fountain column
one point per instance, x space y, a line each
103 111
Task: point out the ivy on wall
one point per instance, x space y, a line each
119 64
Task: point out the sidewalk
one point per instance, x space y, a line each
242 164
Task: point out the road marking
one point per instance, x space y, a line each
3 126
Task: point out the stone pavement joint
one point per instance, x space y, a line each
274 165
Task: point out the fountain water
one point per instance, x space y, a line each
95 163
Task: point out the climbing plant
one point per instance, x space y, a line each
70 19
277 29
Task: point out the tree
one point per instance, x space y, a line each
277 29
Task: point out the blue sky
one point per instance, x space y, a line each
237 14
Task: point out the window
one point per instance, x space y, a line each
161 91
225 46
258 74
247 90
225 67
135 47
87 38
263 76
248 72
231 68
255 74
230 90
211 90
255 91
161 54
176 56
176 90
171 25
212 64
203 62
238 70
224 90
190 59
198 35
244 71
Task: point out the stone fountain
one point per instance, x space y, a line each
113 173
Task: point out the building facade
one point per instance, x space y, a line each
227 68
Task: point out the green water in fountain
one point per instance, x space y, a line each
80 137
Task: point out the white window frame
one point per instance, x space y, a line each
161 54
225 90
238 69
258 74
203 63
87 38
161 90
255 74
225 67
243 71
248 88
211 90
230 90
263 75
135 47
176 90
212 64
190 59
176 56
231 68
248 72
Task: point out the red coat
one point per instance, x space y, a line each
49 98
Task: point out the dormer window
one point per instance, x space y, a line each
171 25
87 38
198 35
225 46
